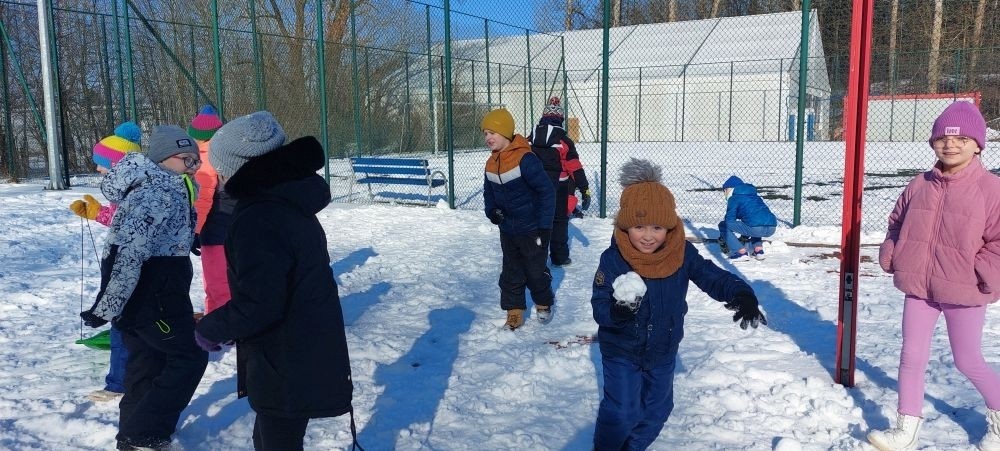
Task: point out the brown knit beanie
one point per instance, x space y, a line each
644 199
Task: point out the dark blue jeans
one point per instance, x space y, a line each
115 380
729 229
637 402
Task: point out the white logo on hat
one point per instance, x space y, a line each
184 143
953 130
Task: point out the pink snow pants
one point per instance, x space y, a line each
965 333
213 266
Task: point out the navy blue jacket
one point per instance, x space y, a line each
745 205
653 335
516 183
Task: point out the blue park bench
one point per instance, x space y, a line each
396 171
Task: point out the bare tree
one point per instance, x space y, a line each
672 10
977 38
934 58
616 12
569 15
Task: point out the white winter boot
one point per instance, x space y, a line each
901 437
992 440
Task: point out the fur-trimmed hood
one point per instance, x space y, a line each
288 172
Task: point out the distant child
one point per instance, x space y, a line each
562 163
285 314
214 208
639 303
107 152
747 215
147 294
520 199
943 250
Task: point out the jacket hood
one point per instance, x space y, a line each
732 182
547 135
288 173
132 171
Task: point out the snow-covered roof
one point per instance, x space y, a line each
758 43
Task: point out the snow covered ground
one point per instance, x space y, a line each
433 369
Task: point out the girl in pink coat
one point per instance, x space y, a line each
943 249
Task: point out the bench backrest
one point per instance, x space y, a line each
390 166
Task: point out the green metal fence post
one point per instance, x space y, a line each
450 135
118 58
407 107
356 88
258 67
638 113
133 111
194 67
321 73
500 82
8 127
489 87
605 61
565 78
781 100
892 92
731 74
430 81
531 87
800 123
368 98
109 112
220 99
684 84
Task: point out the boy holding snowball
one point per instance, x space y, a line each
639 303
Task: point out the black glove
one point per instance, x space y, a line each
586 199
196 245
747 310
92 320
496 216
543 237
623 312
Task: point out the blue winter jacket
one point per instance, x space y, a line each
653 335
516 183
745 205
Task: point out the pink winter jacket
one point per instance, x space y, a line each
943 242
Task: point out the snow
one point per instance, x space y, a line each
433 369
629 290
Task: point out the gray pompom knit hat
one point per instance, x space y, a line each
244 138
167 141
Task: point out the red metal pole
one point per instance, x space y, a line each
855 121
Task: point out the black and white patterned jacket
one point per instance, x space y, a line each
155 218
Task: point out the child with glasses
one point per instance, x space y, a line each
943 250
146 294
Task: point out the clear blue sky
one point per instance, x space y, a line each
519 13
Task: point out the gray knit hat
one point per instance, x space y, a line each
243 138
167 141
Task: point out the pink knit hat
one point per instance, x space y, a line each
960 119
204 125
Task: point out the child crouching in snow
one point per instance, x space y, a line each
639 303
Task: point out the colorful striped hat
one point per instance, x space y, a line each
108 151
204 125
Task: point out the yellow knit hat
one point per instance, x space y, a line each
644 199
499 121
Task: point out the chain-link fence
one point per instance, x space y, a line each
707 89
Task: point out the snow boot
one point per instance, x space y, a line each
567 262
722 245
103 395
991 442
515 318
146 444
758 253
903 436
543 313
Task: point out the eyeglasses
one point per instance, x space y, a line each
189 161
949 140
